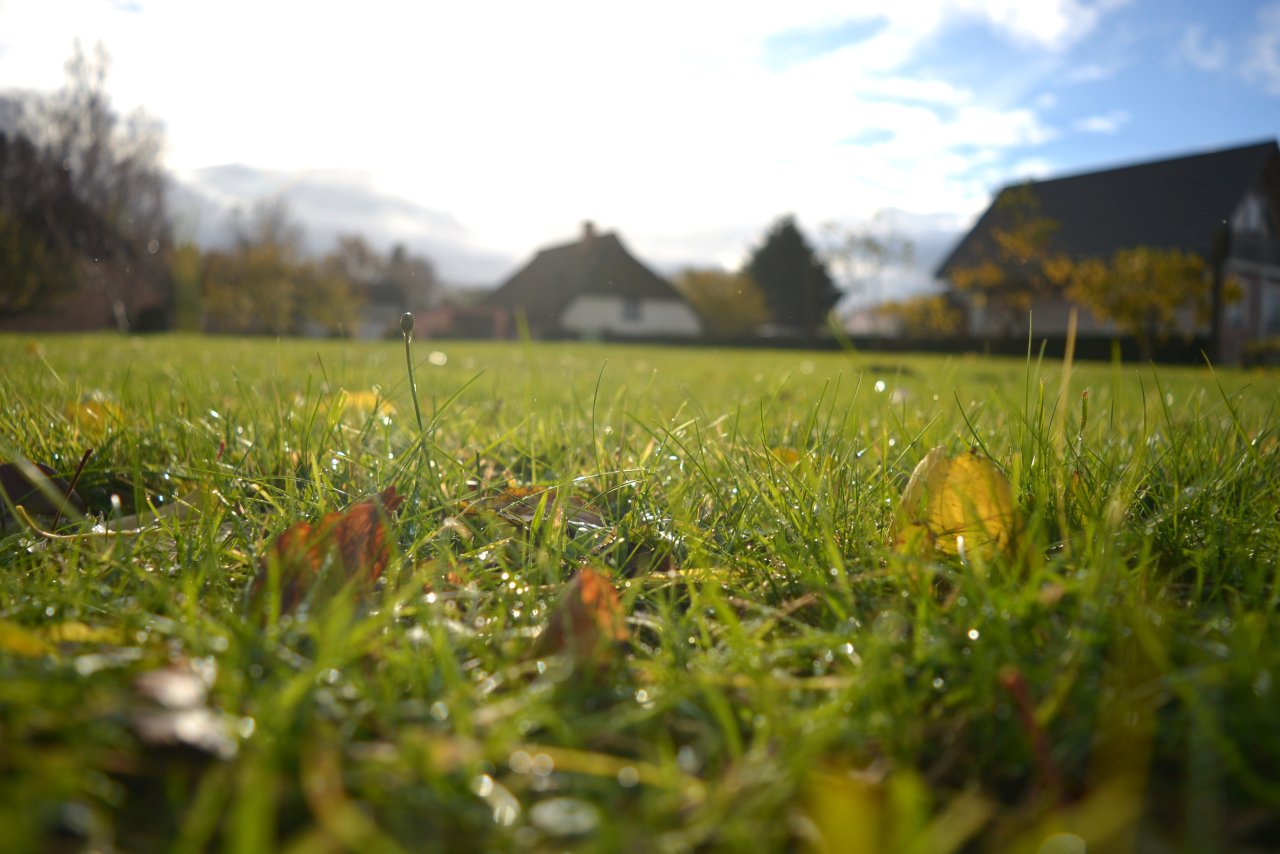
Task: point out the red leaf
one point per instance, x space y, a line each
354 539
586 621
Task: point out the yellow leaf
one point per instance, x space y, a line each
94 414
77 632
964 504
362 404
787 455
16 640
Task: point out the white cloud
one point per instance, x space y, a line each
1196 51
1030 168
1051 24
1262 64
1090 73
1106 123
521 120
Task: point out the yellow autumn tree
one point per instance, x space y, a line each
730 304
1018 263
1148 293
928 314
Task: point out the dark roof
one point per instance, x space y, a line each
597 264
1178 203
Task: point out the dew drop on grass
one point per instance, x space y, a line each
439 711
564 817
520 762
880 386
974 634
939 683
628 777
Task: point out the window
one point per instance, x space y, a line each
631 309
1252 216
1270 308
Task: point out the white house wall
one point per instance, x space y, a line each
600 315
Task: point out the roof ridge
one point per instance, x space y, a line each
1140 164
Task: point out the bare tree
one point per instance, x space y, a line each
112 169
115 165
859 256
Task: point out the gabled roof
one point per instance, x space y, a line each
1178 203
597 264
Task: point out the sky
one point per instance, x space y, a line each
479 132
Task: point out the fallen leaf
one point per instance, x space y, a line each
36 488
787 455
956 505
173 710
21 641
74 631
586 621
351 543
95 414
362 404
181 685
522 504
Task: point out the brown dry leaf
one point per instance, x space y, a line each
520 505
355 540
173 711
586 622
29 485
956 505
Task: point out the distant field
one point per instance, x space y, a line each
778 672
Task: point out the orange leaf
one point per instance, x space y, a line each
586 620
355 540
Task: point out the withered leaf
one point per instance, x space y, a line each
352 543
956 504
520 505
94 415
37 488
172 710
586 622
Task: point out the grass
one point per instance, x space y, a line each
790 681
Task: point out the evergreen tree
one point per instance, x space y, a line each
795 282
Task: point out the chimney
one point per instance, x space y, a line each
588 232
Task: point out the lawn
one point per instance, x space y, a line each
781 668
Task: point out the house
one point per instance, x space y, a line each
1222 205
382 302
594 288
